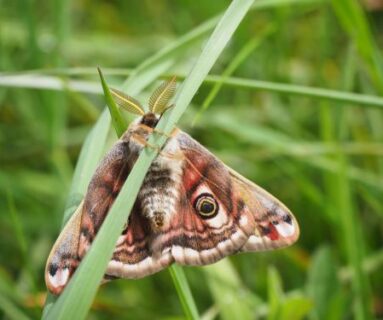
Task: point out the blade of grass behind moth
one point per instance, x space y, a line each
86 279
292 89
25 10
275 293
184 293
322 285
54 83
354 21
10 309
118 121
231 296
352 235
340 193
353 241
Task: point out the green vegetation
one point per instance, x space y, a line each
293 103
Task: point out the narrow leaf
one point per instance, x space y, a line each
117 120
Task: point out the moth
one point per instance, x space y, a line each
192 209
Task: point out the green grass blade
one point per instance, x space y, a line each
10 309
233 299
275 294
55 83
322 285
118 121
291 89
31 27
353 19
353 242
184 292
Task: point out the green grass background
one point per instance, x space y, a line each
265 112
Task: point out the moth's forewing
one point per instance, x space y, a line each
207 239
103 189
258 221
77 236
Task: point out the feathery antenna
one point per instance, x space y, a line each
127 102
160 98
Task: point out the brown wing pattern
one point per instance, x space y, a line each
274 225
196 239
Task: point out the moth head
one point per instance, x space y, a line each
149 119
206 206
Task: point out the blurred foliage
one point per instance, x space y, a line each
323 158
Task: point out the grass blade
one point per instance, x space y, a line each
10 309
118 121
354 21
55 83
184 292
322 285
233 299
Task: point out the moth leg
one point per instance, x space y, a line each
143 142
160 132
168 135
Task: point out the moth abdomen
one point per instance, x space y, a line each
159 193
159 218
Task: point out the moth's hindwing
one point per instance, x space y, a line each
63 259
